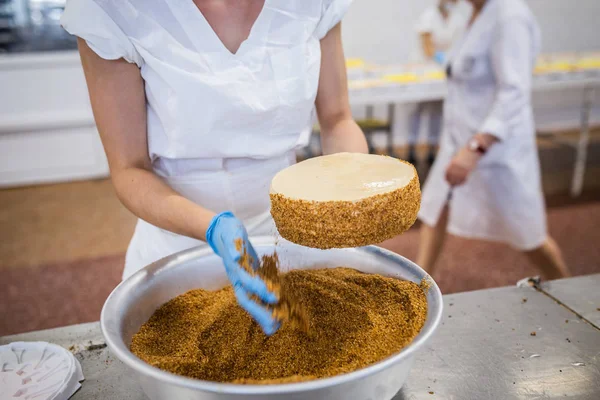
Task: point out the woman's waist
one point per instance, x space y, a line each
186 168
239 185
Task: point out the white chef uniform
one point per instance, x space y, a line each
444 31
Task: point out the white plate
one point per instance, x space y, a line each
38 371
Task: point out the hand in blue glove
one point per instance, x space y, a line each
439 57
224 230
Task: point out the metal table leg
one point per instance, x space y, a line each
582 145
390 138
369 135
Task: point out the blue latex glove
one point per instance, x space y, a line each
222 234
439 57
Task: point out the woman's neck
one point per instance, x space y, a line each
443 11
477 7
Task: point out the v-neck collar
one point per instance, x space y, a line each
202 34
474 30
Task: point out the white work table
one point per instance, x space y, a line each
484 348
377 91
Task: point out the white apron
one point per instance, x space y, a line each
237 185
489 91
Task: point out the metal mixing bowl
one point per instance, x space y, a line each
135 299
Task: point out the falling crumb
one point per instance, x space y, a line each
560 370
533 333
431 393
524 300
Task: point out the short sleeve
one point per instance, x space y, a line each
87 20
332 13
426 22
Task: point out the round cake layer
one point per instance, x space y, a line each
345 200
342 176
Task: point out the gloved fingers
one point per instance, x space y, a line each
260 314
251 283
236 240
255 285
253 256
233 251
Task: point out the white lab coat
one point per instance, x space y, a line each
220 125
490 92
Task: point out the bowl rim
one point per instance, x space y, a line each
119 349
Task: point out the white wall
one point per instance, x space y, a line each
568 25
382 31
47 132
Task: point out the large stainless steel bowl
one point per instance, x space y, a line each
135 299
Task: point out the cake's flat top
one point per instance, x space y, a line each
342 177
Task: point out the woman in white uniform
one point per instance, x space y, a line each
438 27
199 103
488 162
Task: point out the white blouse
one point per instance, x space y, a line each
204 102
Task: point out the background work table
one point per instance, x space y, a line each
506 343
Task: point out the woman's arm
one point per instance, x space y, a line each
512 57
339 132
427 45
118 100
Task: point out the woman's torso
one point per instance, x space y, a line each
205 102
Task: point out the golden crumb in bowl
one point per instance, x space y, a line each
355 320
